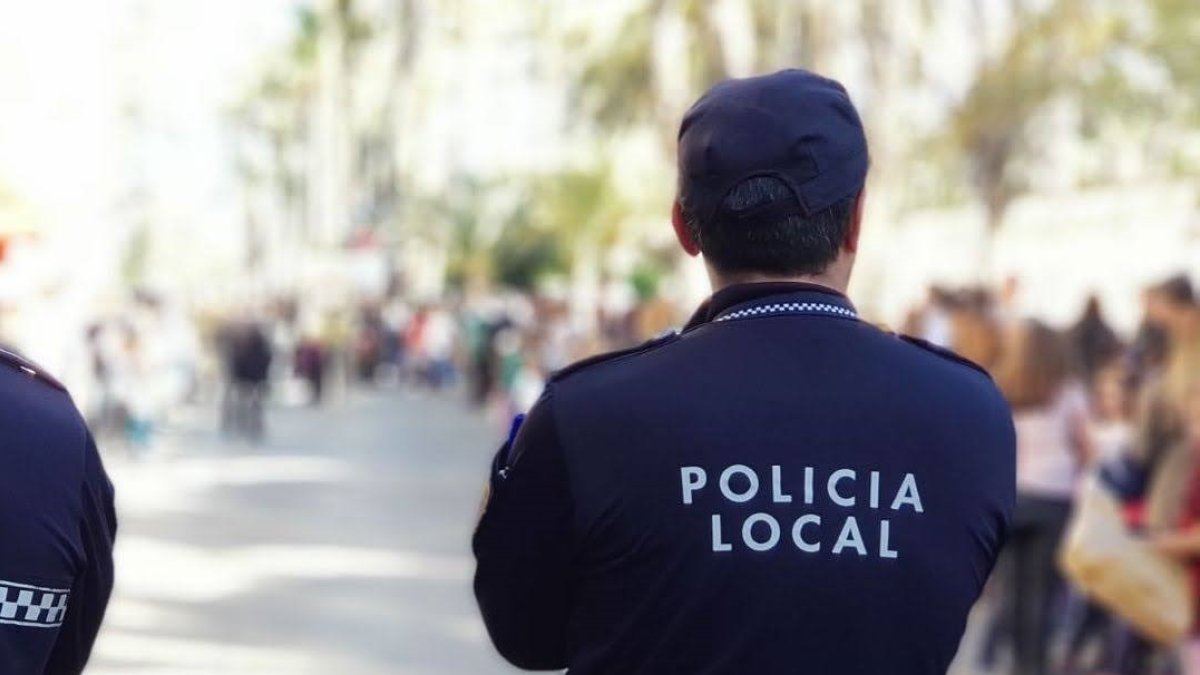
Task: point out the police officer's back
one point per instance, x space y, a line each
781 488
56 526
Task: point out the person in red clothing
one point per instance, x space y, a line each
1184 542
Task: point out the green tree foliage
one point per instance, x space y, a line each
582 206
1047 56
650 271
1174 40
1094 52
526 254
454 221
618 85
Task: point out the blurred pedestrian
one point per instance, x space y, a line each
1093 342
1171 308
248 355
1050 415
441 339
107 415
140 393
527 384
1184 541
486 356
1165 359
432 338
1111 422
1150 343
370 340
311 363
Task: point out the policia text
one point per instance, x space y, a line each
810 531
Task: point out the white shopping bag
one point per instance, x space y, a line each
1149 590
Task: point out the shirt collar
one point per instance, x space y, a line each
738 296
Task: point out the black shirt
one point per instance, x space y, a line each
782 488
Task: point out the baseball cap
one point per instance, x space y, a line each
793 125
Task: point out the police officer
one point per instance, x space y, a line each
56 526
779 488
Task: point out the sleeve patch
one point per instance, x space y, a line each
32 606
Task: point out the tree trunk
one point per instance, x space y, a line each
993 221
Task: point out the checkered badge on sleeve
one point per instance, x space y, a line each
32 606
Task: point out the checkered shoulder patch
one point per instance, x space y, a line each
32 606
788 308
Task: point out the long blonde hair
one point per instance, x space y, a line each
1181 373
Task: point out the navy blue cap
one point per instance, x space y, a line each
793 125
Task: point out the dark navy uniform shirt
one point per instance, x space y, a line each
56 526
781 488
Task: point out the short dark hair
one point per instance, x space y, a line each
794 245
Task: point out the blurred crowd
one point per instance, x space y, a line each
149 361
141 362
1084 400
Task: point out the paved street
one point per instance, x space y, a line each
340 546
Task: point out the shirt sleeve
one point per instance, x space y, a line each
93 585
523 546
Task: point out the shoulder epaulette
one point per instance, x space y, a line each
34 371
646 346
943 352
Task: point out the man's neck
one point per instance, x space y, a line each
720 281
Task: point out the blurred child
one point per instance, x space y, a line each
1111 425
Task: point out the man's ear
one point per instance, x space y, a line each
682 232
854 227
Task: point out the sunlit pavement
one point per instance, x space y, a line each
340 546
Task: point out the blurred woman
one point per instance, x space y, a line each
1184 542
1050 416
1160 445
